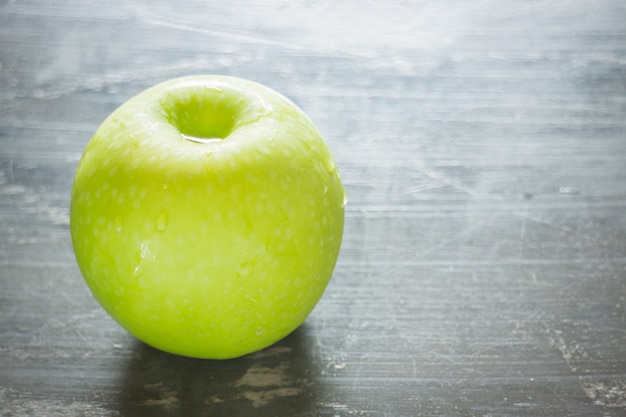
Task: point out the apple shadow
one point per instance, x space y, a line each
273 382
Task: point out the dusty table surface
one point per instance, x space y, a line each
483 148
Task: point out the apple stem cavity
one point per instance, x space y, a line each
203 117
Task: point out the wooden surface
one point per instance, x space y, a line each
483 148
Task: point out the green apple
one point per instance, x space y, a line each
207 216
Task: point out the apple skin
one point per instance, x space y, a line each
207 216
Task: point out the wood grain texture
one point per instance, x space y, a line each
483 148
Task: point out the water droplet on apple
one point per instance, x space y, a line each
160 223
260 331
345 199
329 163
243 270
325 189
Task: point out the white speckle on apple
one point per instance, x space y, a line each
284 183
118 225
160 223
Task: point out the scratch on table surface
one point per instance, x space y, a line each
342 409
542 221
444 242
167 399
572 354
17 403
261 376
160 396
605 393
76 325
262 385
444 179
146 15
31 200
55 90
261 398
608 394
291 30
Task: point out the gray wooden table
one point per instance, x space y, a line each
483 148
